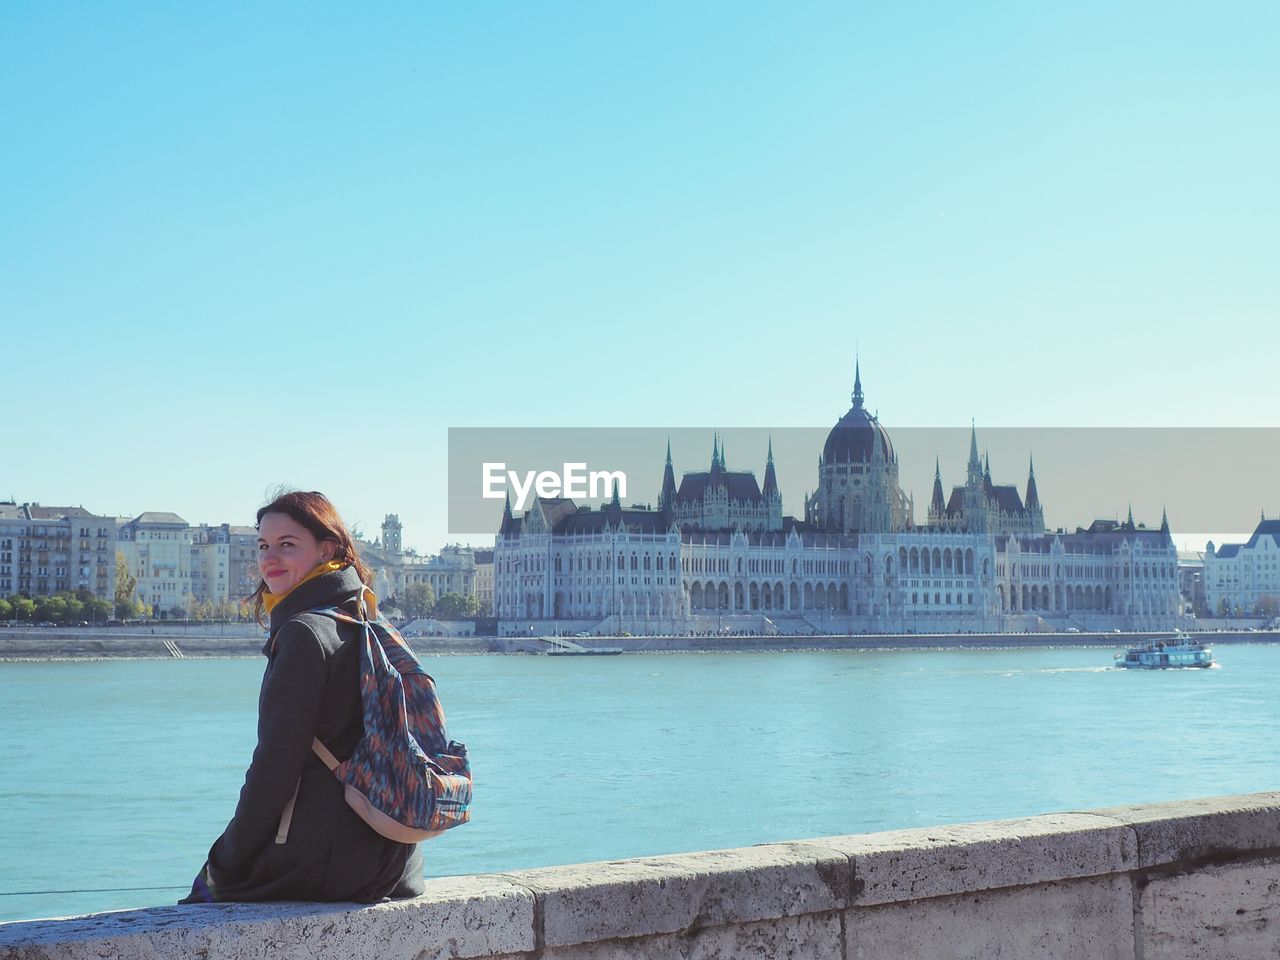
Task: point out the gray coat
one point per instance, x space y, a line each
310 689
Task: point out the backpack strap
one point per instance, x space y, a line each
321 751
286 816
324 753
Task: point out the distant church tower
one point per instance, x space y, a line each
391 535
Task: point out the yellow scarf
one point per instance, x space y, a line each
269 599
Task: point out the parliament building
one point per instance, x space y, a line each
717 555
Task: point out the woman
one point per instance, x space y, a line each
310 689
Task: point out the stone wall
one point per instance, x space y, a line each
1195 879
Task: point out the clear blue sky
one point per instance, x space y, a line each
242 245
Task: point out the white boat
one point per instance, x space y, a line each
1178 651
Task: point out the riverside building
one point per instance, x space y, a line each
717 555
48 550
1243 579
157 550
452 570
224 563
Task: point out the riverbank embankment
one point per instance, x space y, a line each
1196 878
87 644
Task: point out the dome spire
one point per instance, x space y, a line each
857 382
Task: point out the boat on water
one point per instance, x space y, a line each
561 647
1178 651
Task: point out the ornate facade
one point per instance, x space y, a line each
718 554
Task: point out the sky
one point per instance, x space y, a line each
251 245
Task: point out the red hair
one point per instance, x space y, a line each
313 511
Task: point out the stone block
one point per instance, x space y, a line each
1088 919
456 918
810 937
939 861
633 898
1217 913
1203 828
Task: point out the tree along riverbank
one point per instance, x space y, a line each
107 645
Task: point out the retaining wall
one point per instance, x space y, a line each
1194 879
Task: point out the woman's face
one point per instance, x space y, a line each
287 551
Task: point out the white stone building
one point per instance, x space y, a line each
157 548
1243 579
717 555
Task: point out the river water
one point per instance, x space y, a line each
119 774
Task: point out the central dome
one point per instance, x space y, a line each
853 439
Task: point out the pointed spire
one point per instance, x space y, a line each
717 462
1164 519
975 465
507 522
857 382
770 477
667 499
1033 495
1129 522
937 503
616 501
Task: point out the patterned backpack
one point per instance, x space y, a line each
406 779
